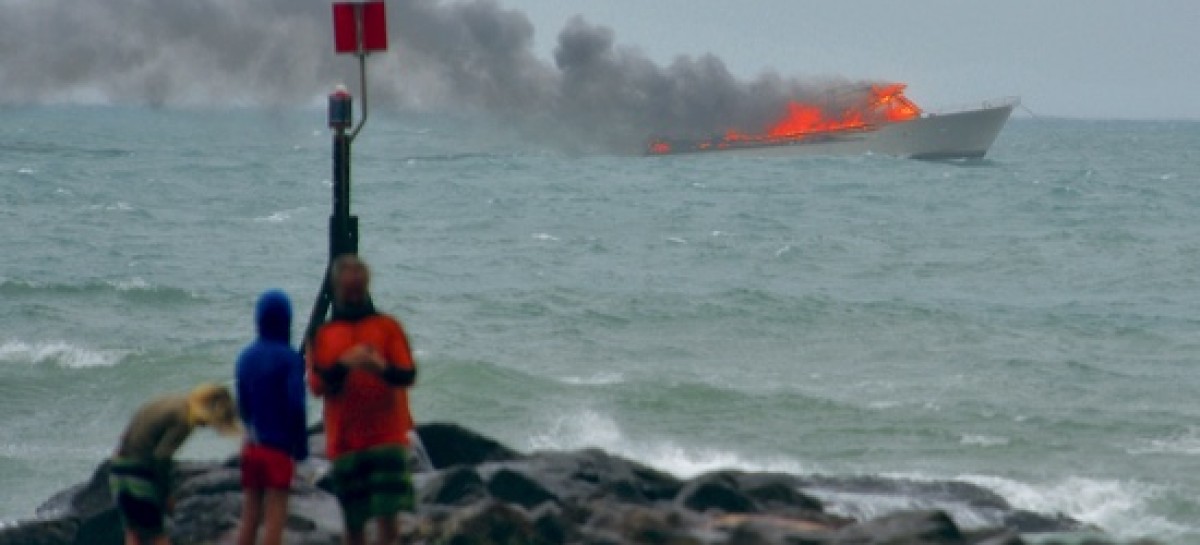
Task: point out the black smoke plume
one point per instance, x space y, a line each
471 55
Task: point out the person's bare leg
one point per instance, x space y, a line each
131 538
389 530
162 539
252 512
275 512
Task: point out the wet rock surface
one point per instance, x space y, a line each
482 492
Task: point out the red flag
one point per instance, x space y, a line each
349 17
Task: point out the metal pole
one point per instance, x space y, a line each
343 228
362 89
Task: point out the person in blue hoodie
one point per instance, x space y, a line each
270 391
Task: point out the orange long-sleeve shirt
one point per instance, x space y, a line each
362 409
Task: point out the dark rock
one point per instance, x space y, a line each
715 491
1002 537
81 501
515 487
486 493
40 532
215 481
915 527
642 525
1027 522
450 445
460 485
90 508
490 523
583 475
204 518
552 524
103 528
776 492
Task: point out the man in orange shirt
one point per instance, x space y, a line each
361 364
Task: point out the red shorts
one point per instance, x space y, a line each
266 468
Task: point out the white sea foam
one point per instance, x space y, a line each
276 217
136 283
1187 443
119 206
60 353
25 170
593 429
983 440
598 379
545 237
677 240
1121 508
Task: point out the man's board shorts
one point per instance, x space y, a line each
140 489
265 468
372 483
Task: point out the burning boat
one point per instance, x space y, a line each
886 122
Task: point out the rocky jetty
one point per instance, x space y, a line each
480 492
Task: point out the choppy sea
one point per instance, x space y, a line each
1029 322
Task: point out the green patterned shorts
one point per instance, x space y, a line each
140 489
373 483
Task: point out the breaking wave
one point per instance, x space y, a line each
1121 508
59 353
132 287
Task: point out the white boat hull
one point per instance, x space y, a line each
957 135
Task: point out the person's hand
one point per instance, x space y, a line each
374 361
364 356
356 355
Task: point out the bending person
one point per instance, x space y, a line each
361 364
140 473
270 388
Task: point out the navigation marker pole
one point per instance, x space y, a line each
359 28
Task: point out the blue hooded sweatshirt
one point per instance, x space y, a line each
270 381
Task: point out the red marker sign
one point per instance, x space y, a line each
359 27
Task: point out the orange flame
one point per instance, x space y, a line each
885 104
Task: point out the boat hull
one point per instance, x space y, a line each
963 134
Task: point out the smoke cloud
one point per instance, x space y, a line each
471 55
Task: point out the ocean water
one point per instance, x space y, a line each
1030 322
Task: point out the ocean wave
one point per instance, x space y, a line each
59 353
119 206
134 286
1186 443
1121 508
588 428
279 216
984 440
598 379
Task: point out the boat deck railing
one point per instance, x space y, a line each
1008 101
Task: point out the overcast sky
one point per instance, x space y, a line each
1094 58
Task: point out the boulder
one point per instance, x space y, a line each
1028 522
715 492
490 523
40 532
459 485
592 473
450 445
641 525
509 485
914 527
481 492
